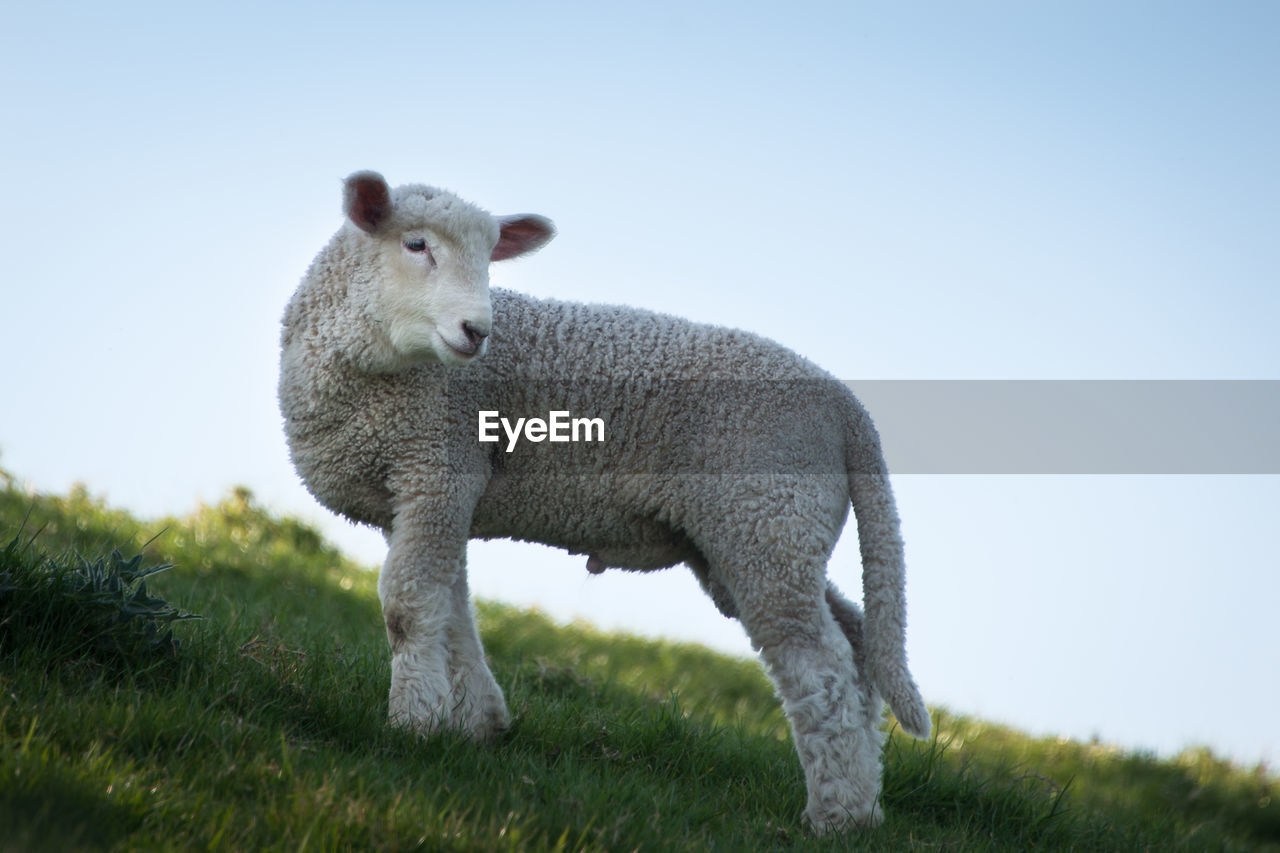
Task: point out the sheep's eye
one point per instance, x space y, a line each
416 245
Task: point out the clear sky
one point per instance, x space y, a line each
959 190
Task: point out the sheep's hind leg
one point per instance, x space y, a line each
713 587
479 708
834 716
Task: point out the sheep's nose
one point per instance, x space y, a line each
475 335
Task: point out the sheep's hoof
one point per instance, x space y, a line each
835 820
492 729
482 722
487 723
421 726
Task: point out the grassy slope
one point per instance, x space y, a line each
268 732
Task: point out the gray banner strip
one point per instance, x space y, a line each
1076 427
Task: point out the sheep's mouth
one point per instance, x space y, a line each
466 351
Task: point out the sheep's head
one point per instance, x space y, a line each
432 252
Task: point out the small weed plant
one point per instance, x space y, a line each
74 608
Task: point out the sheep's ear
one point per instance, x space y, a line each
366 200
521 234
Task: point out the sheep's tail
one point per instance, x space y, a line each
879 640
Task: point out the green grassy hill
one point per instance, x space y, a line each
261 725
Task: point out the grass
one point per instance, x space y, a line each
264 729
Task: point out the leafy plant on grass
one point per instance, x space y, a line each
76 609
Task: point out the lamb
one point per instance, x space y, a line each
724 451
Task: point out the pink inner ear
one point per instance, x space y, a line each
520 235
368 201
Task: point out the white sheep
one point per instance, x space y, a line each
722 450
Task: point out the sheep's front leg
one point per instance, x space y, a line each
416 587
479 708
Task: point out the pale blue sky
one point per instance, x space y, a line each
1083 190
